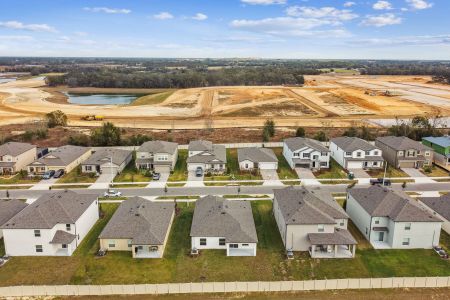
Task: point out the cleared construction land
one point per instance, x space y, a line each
325 100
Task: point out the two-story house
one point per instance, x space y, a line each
15 157
311 220
441 147
402 152
53 225
8 209
392 220
159 156
355 153
207 156
306 153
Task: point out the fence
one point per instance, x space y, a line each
225 287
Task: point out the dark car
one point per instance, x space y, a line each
199 172
48 174
59 173
156 176
380 181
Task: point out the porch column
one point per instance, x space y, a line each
335 250
313 250
354 250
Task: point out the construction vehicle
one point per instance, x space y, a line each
92 118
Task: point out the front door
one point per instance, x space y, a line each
381 236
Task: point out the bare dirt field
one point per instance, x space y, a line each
325 101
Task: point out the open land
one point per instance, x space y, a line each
340 100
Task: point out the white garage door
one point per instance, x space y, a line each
162 169
109 170
354 165
268 166
193 167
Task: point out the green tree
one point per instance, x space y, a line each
300 132
56 118
107 135
269 126
265 135
321 136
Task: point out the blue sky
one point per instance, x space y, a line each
304 29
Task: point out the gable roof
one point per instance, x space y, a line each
443 141
200 145
400 143
62 156
441 205
105 154
378 201
302 206
351 144
9 208
217 152
140 220
158 147
14 149
255 154
217 217
64 207
299 143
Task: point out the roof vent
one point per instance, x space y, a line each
137 214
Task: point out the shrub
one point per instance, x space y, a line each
56 118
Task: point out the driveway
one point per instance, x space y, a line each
44 184
307 176
361 175
161 182
417 175
194 181
270 177
102 181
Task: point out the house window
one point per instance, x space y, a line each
324 153
130 244
358 154
296 154
112 244
427 153
342 223
153 248
377 221
221 242
406 241
246 166
37 233
375 163
64 246
244 245
323 164
306 155
400 153
320 228
235 246
202 242
367 152
88 168
348 153
315 157
67 227
375 153
408 226
39 249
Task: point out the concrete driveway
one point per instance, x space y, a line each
417 175
103 181
307 176
161 182
270 177
194 181
44 184
362 176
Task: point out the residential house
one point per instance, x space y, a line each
107 161
224 224
402 152
439 207
392 220
53 225
65 157
441 147
139 226
8 209
356 153
306 153
207 156
311 220
257 159
15 157
158 156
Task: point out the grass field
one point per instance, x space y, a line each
131 174
180 172
334 172
177 266
75 176
152 98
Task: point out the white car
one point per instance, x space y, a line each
112 193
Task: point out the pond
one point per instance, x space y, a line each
5 80
101 99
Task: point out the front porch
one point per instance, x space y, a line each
332 251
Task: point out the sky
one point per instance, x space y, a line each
293 29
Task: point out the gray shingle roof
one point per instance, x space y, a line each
14 149
338 237
158 147
62 237
217 152
62 156
64 207
400 143
378 201
140 220
441 205
298 143
301 206
258 155
351 144
104 155
9 208
217 217
200 145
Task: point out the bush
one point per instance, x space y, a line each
300 132
56 118
79 140
427 169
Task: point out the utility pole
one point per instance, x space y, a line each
385 170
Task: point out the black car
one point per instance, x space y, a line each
379 181
59 173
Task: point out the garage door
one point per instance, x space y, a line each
407 164
162 169
193 167
306 166
354 165
109 170
268 166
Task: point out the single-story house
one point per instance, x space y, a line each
224 224
306 153
15 157
158 156
207 156
257 158
439 207
139 226
107 161
356 153
8 209
311 220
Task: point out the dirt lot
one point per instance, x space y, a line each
340 100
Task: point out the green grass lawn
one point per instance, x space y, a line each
132 174
17 179
445 240
284 169
334 172
180 172
391 172
76 176
177 266
153 98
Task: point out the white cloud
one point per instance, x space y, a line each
382 5
30 27
263 2
200 17
349 4
108 10
407 40
163 16
419 4
331 13
381 20
16 38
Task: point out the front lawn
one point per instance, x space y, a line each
132 174
391 172
76 176
436 171
284 169
180 172
18 179
334 172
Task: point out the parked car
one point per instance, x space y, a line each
59 173
112 193
48 174
387 182
156 176
199 172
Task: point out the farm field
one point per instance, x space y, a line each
338 100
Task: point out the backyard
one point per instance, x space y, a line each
177 266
